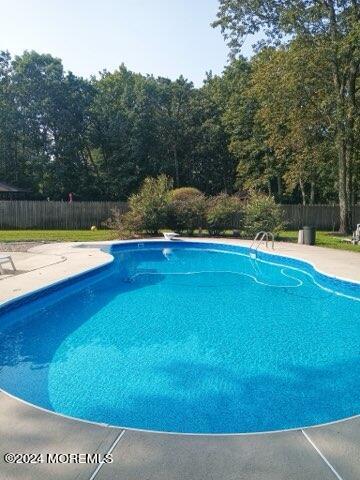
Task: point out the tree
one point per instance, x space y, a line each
43 126
293 110
142 126
256 166
269 123
9 123
212 165
334 28
174 120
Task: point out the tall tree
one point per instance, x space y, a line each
175 118
256 167
212 166
9 123
330 25
45 118
294 111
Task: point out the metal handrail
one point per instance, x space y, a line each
272 239
257 236
255 244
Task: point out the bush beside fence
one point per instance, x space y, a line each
24 214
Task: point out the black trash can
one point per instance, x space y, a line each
309 235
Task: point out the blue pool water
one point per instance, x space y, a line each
187 337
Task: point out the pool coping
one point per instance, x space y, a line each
104 246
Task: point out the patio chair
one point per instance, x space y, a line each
356 235
6 259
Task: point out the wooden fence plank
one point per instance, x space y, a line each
323 217
23 214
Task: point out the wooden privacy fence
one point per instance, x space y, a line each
24 214
323 217
55 215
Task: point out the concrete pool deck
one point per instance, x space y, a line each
320 453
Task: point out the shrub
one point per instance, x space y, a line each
186 209
262 213
116 222
148 209
221 213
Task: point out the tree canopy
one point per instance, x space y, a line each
329 32
279 122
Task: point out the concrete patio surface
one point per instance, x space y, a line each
46 264
326 452
25 429
28 261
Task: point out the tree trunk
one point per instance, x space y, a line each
349 184
350 158
302 190
343 198
344 83
312 193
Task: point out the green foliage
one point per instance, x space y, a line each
149 207
274 123
262 214
222 211
326 37
101 138
120 224
184 194
186 209
43 142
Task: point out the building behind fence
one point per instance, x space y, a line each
82 215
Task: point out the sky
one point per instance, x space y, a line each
163 37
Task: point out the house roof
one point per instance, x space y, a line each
4 187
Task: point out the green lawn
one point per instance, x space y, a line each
55 235
323 239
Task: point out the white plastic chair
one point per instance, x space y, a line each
6 259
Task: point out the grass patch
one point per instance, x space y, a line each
56 235
323 239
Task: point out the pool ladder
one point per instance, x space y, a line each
258 239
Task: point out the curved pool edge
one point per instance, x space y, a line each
107 247
185 434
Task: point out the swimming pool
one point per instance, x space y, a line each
188 337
